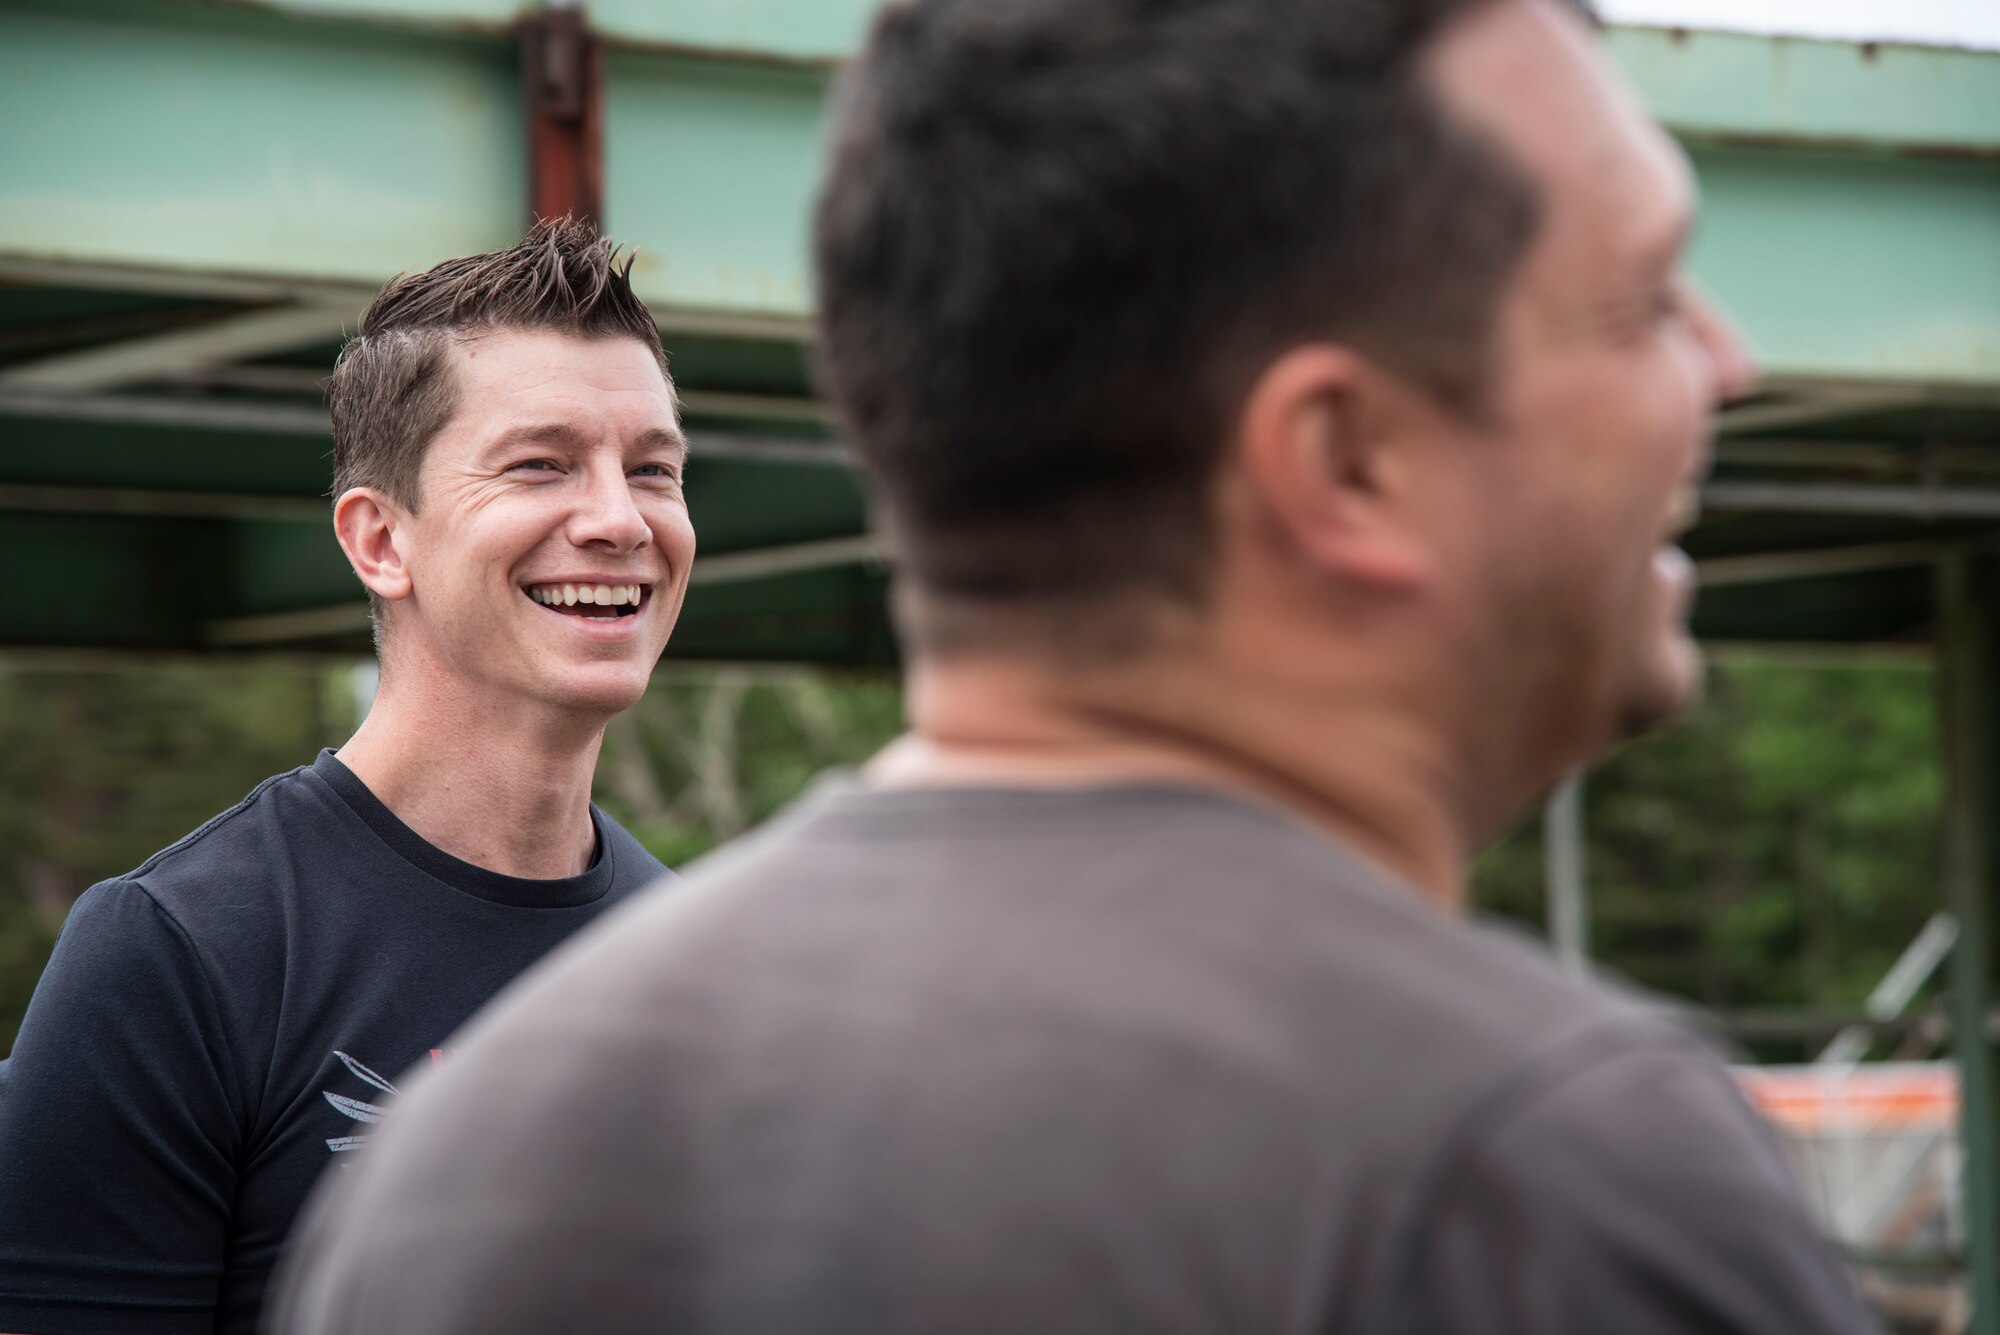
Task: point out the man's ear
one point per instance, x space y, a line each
369 526
1317 446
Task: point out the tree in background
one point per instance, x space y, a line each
703 758
100 769
1780 848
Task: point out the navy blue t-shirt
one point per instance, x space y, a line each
222 1025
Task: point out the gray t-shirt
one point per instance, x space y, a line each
1122 1059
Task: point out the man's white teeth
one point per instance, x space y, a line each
569 595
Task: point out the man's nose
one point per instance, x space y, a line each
1733 369
607 515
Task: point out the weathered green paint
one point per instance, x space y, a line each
1851 205
1701 83
739 366
820 616
1855 266
1970 681
739 506
66 307
709 167
1707 85
155 584
280 566
803 30
36 451
254 140
125 585
816 32
177 137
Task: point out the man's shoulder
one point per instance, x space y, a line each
237 860
1503 991
1615 1165
1219 908
261 808
1220 937
1548 1134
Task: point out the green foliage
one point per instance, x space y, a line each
27 935
1778 848
702 758
102 769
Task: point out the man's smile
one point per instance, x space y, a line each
593 602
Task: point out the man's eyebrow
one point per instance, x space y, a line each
563 435
660 438
543 433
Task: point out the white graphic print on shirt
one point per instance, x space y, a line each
355 1108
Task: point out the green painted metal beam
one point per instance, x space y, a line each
188 138
1701 83
811 31
1731 87
166 583
1852 198
183 157
1969 662
710 167
164 529
802 32
1858 267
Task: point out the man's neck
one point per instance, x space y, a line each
1346 766
491 787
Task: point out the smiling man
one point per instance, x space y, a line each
220 1026
1284 411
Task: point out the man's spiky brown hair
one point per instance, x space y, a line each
392 390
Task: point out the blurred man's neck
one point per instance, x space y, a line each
1343 762
507 789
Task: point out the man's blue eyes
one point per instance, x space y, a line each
643 470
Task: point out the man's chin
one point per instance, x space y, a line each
604 689
1668 687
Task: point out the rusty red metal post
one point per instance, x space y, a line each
562 79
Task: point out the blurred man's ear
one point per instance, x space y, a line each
1318 446
368 525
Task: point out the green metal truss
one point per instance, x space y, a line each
198 199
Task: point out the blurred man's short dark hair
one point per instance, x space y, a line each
1057 242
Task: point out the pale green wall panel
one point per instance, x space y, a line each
171 135
710 167
810 30
1852 266
1735 86
252 143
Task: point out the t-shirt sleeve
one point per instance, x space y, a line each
1640 1194
117 1131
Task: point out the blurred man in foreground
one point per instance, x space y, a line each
224 1023
1283 411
